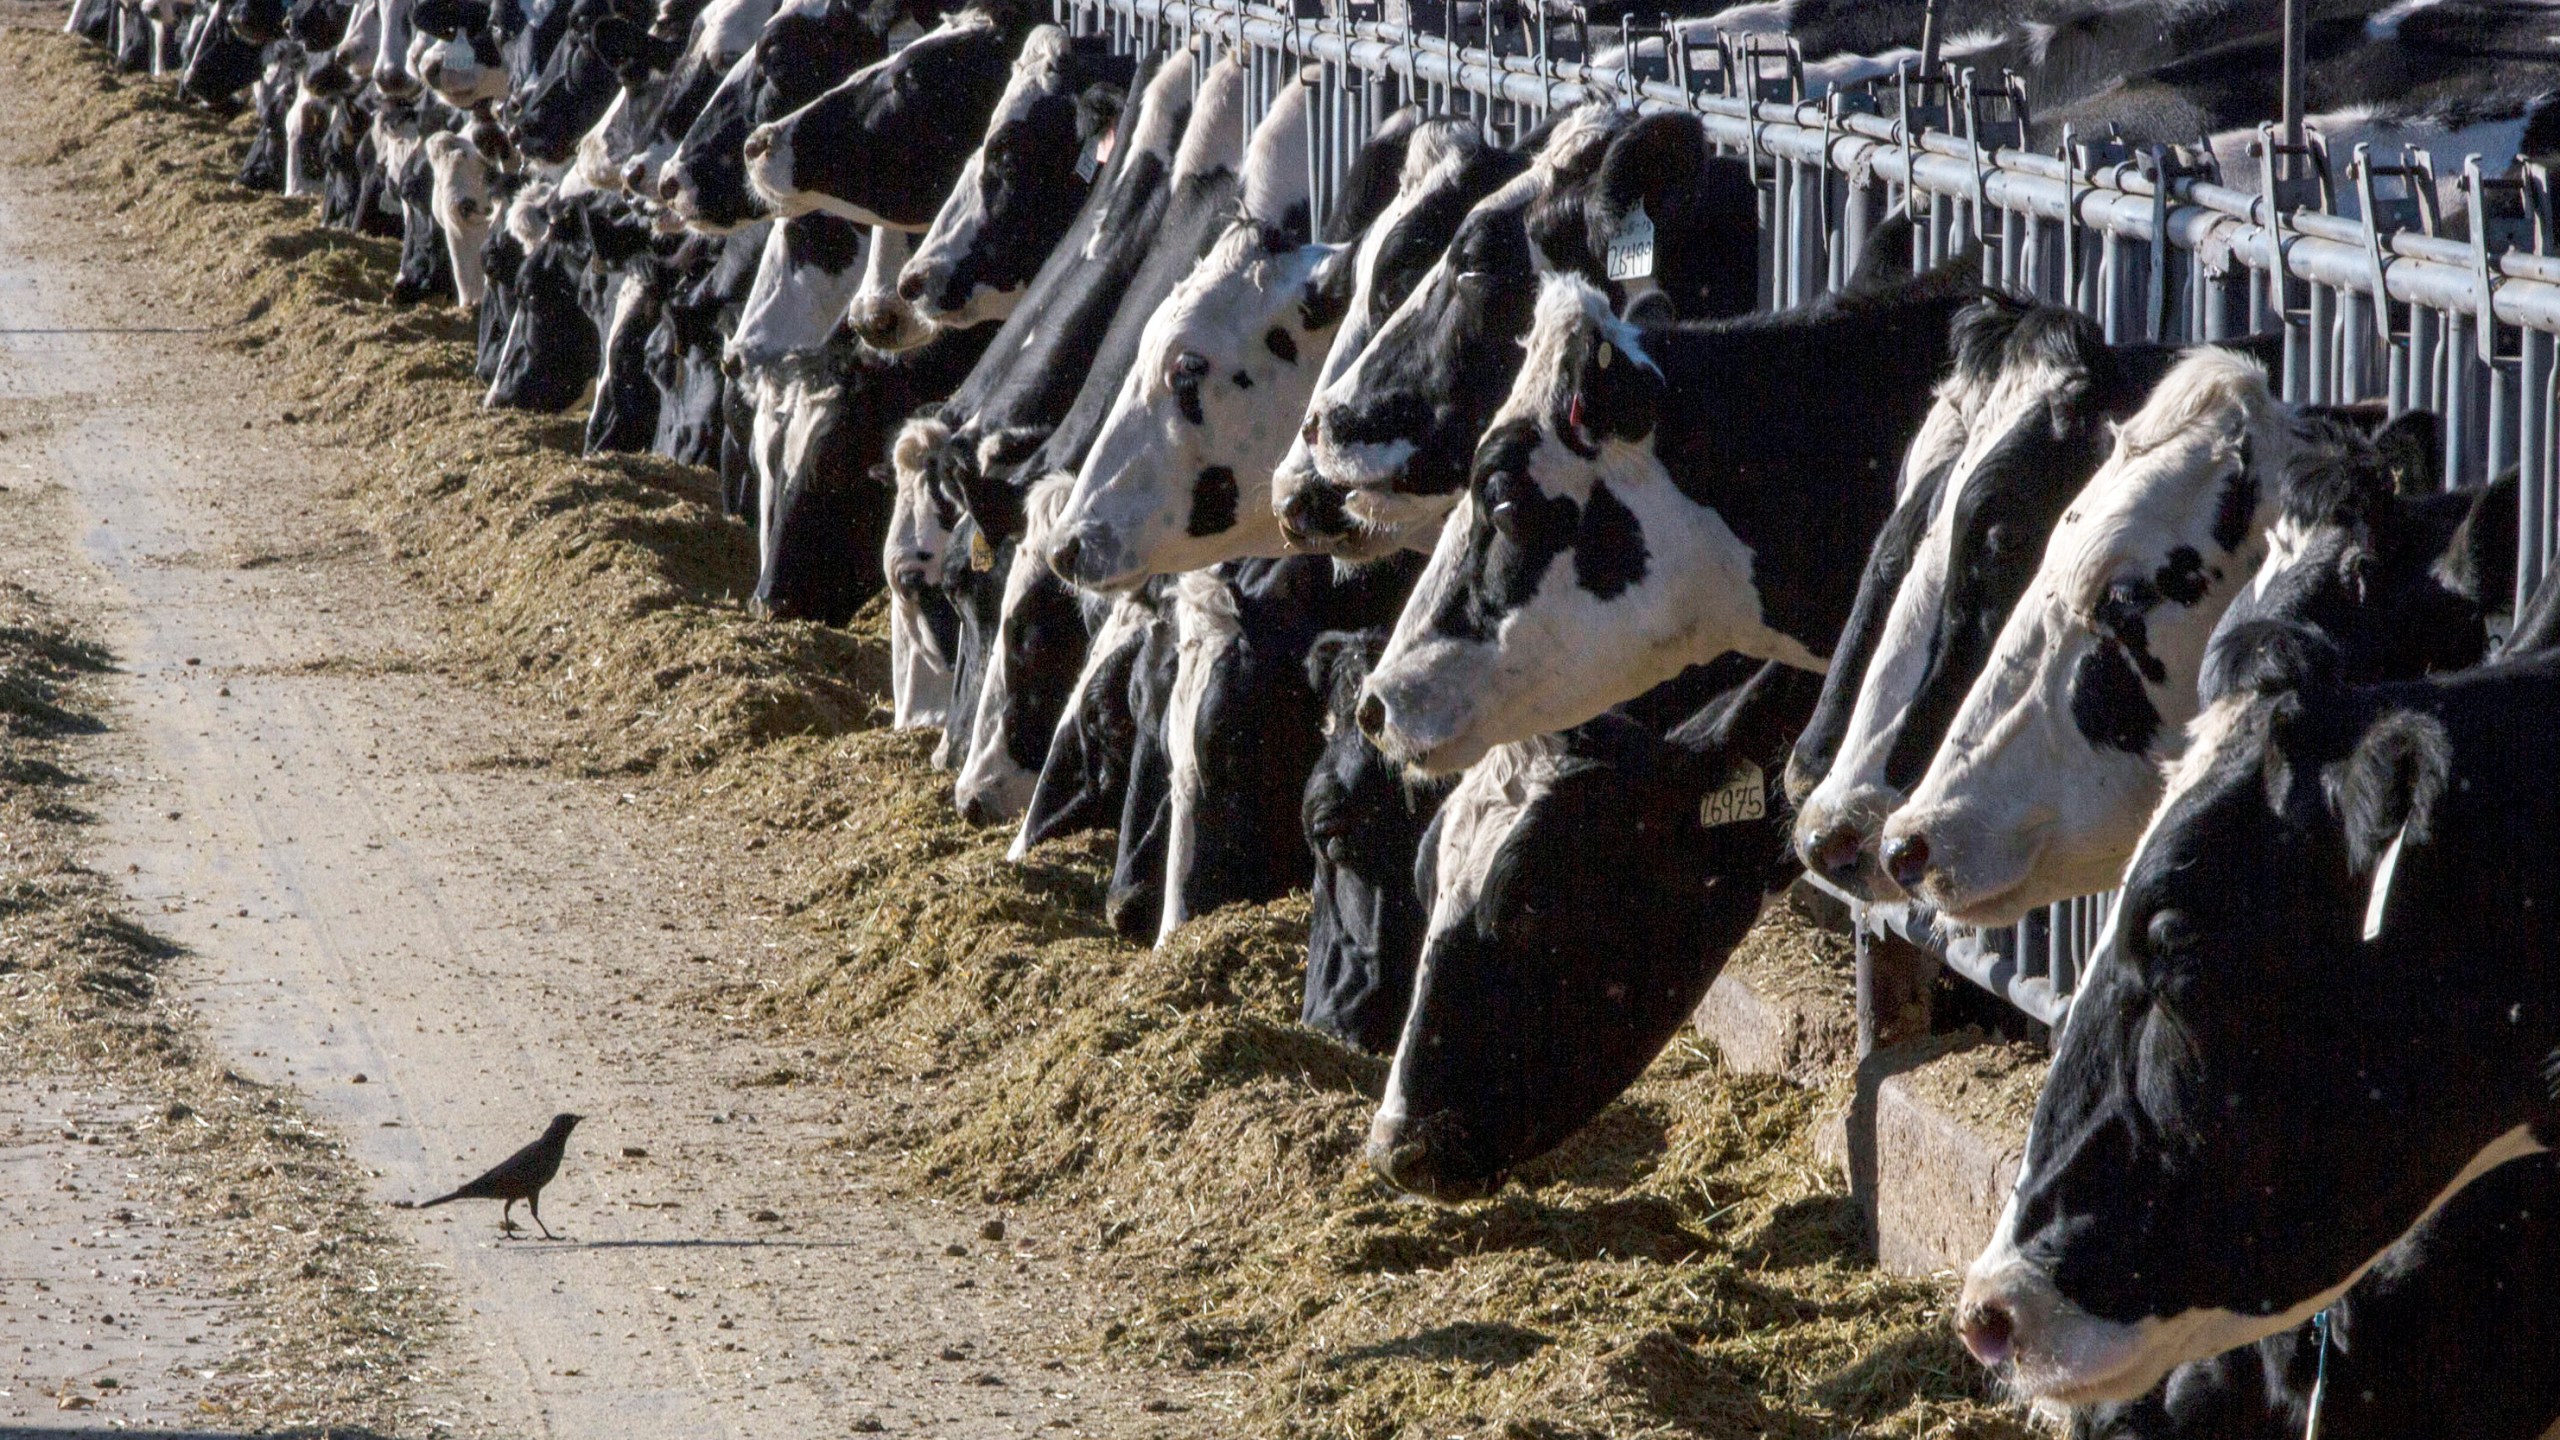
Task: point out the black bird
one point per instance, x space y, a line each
520 1176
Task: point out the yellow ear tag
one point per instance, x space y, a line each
982 556
1605 350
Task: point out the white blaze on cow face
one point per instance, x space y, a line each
1432 162
357 47
957 227
392 74
1368 470
2052 763
799 291
883 319
1971 418
456 71
464 210
991 783
1568 579
915 559
1179 475
1207 624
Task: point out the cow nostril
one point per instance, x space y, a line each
1988 1330
758 144
1372 717
669 186
911 286
1834 852
1906 859
974 810
1313 431
1063 555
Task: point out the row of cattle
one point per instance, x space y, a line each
1480 564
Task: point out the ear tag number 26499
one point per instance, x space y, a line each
1631 249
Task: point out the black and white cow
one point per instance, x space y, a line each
2045 775
809 271
222 64
577 83
1084 777
717 273
1180 475
1033 663
1046 144
2324 1005
807 47
457 54
1243 729
885 146
626 157
1044 351
2028 409
271 100
1585 889
924 631
1364 818
1134 904
2368 554
1646 199
2450 1334
426 255
1648 498
551 348
465 202
1448 167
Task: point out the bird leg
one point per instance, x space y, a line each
535 1205
506 1226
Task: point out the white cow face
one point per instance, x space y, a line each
914 558
456 71
1573 574
1180 475
465 209
2053 762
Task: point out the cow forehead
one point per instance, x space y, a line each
1040 70
2139 510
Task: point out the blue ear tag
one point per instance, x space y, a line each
2381 896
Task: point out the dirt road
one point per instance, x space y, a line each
437 944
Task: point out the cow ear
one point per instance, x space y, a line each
618 41
2412 447
1098 109
2389 787
1650 308
438 17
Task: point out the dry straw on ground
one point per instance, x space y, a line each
1685 1268
336 1317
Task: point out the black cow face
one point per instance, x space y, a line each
426 264
1084 779
551 348
2397 585
1589 888
579 80
2223 1145
1364 819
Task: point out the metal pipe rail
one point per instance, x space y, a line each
2375 298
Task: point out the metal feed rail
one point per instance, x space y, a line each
2375 300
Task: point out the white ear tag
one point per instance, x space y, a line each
1744 797
1631 249
2381 896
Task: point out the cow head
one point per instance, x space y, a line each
2396 577
2051 763
465 207
885 146
1178 477
1046 144
810 269
922 628
1364 817
1447 166
2033 394
1084 778
581 78
806 47
394 29
1395 432
1586 890
456 53
1031 669
1573 573
2320 1008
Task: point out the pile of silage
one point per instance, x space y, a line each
1685 1267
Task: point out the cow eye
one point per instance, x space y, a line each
2170 932
1505 506
1186 370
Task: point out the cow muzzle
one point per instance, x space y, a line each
1427 1157
2010 1314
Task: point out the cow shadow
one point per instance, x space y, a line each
1484 1345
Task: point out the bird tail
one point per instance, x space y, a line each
439 1200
